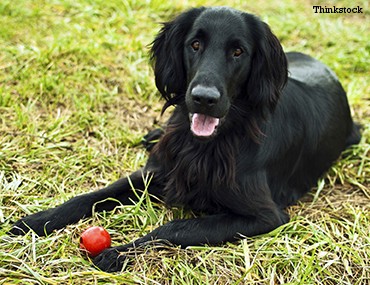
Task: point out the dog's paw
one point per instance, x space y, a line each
41 223
44 222
152 138
19 228
110 260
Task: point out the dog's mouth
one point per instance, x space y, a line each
203 125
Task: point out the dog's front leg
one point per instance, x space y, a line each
212 230
79 207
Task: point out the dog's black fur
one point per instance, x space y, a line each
247 137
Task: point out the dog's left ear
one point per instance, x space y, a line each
269 71
167 57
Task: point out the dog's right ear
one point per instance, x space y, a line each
167 57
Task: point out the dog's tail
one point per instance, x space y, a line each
355 135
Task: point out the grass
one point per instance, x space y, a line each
77 95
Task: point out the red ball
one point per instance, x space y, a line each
94 240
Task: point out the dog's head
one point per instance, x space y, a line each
207 59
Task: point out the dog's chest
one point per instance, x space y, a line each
199 176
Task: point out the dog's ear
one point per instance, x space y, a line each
167 56
269 71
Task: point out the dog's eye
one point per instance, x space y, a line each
195 45
237 52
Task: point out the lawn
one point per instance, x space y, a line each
77 95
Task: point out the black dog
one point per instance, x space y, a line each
247 138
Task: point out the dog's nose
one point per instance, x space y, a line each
205 96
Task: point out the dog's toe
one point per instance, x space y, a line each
110 260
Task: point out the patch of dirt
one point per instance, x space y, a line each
335 201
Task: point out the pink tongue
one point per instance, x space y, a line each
203 125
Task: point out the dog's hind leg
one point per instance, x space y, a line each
151 138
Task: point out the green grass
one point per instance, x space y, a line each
77 95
